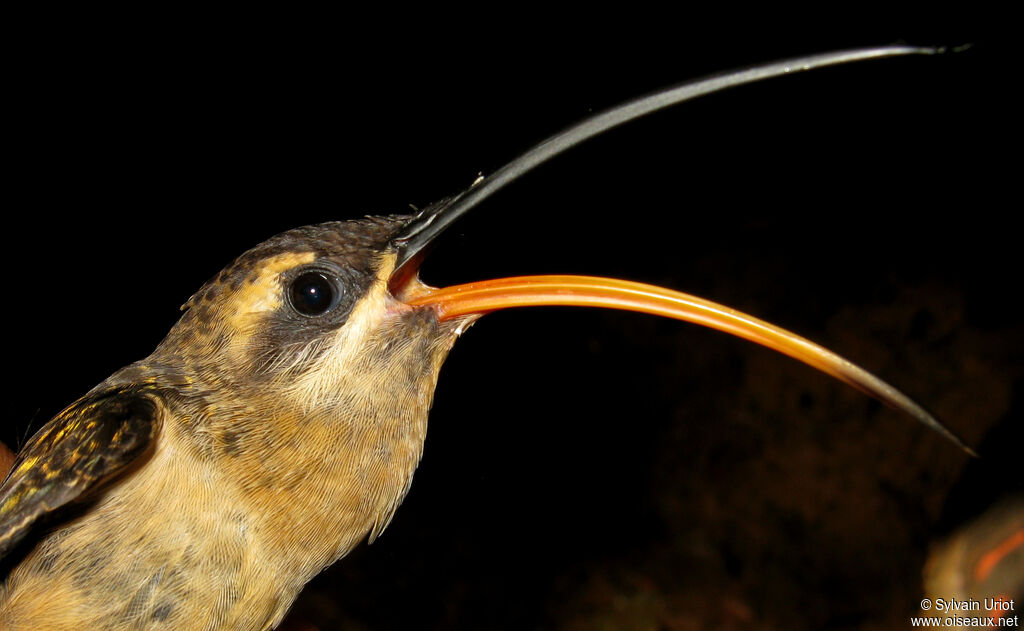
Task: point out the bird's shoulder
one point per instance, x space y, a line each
77 453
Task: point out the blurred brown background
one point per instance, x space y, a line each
584 470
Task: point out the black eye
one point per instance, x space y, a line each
313 293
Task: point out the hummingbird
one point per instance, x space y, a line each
281 420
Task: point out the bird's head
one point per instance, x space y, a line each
308 311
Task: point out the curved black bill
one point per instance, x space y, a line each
425 227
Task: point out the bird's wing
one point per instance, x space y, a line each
75 454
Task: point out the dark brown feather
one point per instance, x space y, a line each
75 454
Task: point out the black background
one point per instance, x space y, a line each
583 468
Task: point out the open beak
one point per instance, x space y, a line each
486 296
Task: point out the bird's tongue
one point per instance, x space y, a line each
588 291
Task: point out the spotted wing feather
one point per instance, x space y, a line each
76 454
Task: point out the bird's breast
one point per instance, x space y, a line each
171 546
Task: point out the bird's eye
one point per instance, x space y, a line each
313 293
